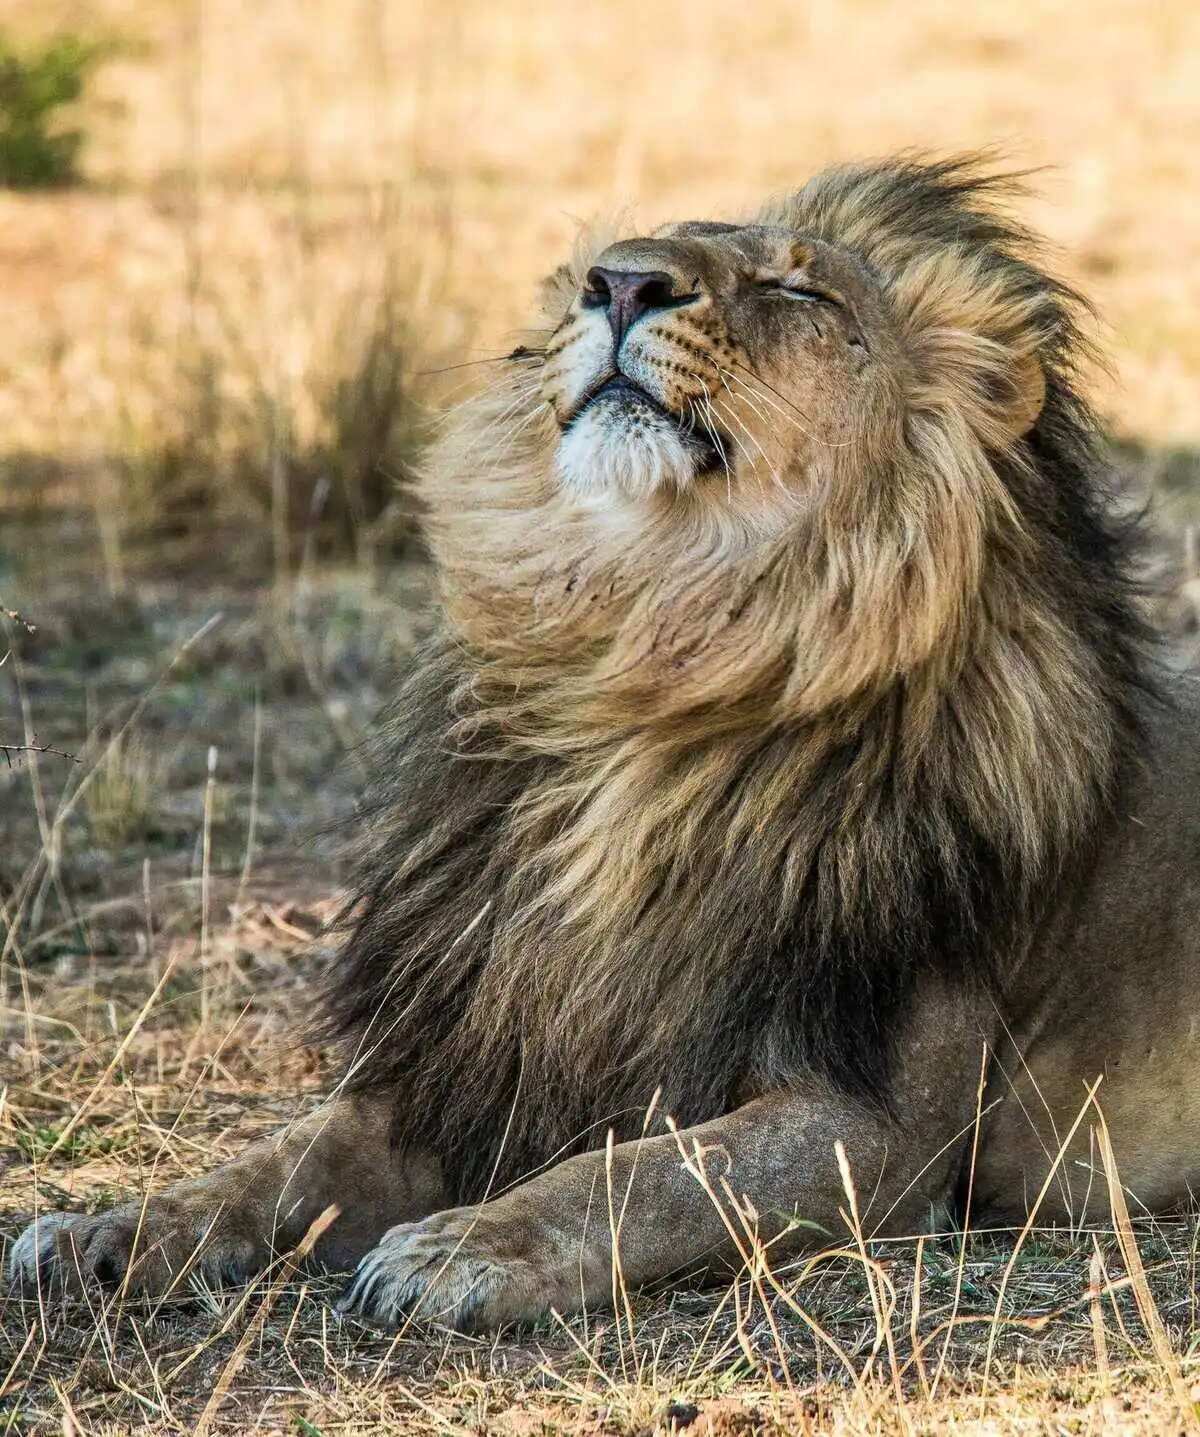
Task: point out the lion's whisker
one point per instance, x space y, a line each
466 413
499 451
714 434
514 433
755 395
732 414
726 411
753 400
816 438
750 459
522 354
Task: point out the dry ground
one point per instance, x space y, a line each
264 177
153 976
166 899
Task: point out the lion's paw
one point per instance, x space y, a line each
62 1253
33 1256
460 1268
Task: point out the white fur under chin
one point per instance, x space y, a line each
609 448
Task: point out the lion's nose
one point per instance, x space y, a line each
628 294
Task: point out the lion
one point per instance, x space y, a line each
792 788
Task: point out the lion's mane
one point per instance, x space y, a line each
657 812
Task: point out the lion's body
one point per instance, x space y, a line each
789 761
715 824
1107 992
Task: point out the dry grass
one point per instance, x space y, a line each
206 1062
150 987
218 352
921 1336
130 778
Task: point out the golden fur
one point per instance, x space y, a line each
625 646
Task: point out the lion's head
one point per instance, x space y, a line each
789 653
723 364
822 432
751 366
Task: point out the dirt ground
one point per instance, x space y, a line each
155 972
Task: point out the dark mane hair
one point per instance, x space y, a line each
632 828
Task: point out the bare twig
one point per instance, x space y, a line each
12 750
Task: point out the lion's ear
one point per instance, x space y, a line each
1026 407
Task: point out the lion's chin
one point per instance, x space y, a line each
621 448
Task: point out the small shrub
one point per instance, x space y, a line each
39 84
268 443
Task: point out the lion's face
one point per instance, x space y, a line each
786 455
719 359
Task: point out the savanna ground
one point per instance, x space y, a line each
299 221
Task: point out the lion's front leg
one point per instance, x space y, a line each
230 1223
549 1243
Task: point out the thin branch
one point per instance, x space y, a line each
11 750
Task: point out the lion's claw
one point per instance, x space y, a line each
33 1258
447 1268
61 1253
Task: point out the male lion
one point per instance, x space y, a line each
789 751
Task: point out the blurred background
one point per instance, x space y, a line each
275 220
249 249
